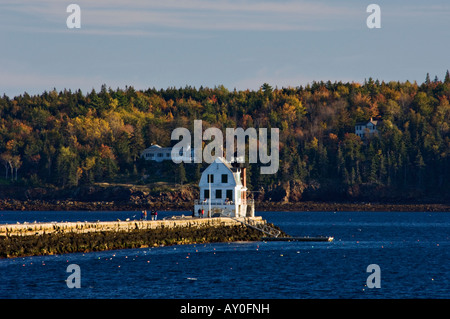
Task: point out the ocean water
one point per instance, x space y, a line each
412 251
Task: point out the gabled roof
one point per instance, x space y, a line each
374 122
156 148
223 161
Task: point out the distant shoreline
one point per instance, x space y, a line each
362 206
71 205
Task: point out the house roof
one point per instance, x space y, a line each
221 160
157 148
225 162
374 122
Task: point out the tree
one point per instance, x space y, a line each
197 173
181 173
423 103
6 159
420 165
16 163
67 167
267 89
340 163
88 166
427 79
447 77
107 163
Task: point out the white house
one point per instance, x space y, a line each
223 191
159 154
365 129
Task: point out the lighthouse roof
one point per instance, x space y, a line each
220 166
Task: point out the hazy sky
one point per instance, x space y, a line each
240 44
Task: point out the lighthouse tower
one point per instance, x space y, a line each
223 191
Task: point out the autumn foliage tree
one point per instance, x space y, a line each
67 138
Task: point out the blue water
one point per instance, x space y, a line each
411 249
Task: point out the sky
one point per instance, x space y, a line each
238 44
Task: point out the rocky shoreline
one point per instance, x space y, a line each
353 206
67 205
181 198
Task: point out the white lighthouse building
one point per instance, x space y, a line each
223 191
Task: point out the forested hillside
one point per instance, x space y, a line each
68 139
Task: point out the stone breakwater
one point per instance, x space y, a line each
58 238
28 229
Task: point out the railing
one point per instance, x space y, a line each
222 202
262 227
213 202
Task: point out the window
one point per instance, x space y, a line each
218 193
224 178
230 194
206 193
167 154
160 155
210 178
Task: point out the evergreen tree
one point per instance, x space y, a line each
373 170
420 164
197 173
447 77
181 173
427 79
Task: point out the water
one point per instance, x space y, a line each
411 249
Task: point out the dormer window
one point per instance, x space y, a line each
224 178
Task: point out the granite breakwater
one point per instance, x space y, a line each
17 240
